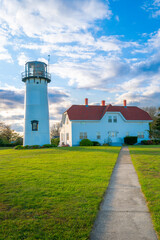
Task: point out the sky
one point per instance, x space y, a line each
99 49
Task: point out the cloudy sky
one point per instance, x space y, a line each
100 49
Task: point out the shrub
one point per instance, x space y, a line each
156 141
150 142
96 143
65 145
19 147
105 144
55 142
130 140
48 146
26 147
19 141
86 142
147 142
34 147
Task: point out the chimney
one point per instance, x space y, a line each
86 102
125 103
103 102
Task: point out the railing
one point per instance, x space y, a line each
36 74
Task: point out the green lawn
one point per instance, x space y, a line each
52 193
146 160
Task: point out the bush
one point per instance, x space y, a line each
34 147
26 147
65 145
146 142
130 140
156 141
105 144
151 142
96 143
19 141
18 147
86 142
48 146
55 142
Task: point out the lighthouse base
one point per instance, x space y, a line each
34 139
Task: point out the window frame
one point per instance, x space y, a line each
140 135
67 136
98 135
62 137
112 133
34 124
82 135
115 119
109 119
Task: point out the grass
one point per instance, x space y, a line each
54 193
146 160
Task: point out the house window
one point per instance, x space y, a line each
67 136
140 135
112 134
115 119
109 119
34 125
62 137
98 135
67 120
83 135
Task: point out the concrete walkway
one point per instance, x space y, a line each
123 214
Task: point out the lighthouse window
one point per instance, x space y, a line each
34 125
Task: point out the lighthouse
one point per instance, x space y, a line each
36 121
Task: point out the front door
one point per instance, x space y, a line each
112 135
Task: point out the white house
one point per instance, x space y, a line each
105 123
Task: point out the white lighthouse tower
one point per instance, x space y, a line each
36 78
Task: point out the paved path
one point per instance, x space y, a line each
123 214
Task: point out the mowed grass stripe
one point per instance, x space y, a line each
146 160
52 193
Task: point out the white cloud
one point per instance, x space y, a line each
117 18
143 90
4 54
37 17
96 74
152 6
22 59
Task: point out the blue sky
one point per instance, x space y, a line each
103 50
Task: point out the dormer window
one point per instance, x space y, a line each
34 125
109 119
115 119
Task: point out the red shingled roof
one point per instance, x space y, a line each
82 112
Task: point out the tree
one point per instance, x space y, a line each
7 135
55 130
152 111
156 127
